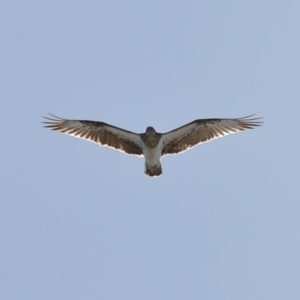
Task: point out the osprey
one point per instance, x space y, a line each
151 144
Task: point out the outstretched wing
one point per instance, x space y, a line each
200 131
98 132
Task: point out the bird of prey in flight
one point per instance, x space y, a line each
151 144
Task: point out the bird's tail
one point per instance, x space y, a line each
155 170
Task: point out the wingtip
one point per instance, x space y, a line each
254 120
55 118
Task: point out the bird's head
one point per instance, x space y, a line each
150 131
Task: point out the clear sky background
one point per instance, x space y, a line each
80 221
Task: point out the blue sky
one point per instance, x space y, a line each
79 221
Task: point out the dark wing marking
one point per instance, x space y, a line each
98 132
200 131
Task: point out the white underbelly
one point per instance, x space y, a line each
152 155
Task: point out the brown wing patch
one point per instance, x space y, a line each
201 131
98 132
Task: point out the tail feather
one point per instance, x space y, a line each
153 170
